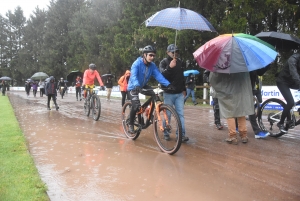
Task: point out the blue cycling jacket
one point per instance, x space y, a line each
140 74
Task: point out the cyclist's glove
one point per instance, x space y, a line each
138 89
102 88
171 87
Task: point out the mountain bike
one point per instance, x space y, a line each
164 118
62 91
269 115
92 103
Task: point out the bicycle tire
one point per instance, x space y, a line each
86 107
96 107
269 115
172 145
125 121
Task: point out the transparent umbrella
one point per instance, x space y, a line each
39 76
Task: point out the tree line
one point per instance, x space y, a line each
70 34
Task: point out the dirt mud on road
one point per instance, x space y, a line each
80 159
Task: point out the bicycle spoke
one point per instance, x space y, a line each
269 115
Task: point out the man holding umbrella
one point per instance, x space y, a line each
172 69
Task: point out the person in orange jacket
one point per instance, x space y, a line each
123 82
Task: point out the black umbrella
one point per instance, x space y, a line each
280 40
5 78
72 76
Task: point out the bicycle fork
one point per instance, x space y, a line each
161 126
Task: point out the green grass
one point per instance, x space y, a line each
19 178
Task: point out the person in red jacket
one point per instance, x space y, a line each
123 82
78 82
89 78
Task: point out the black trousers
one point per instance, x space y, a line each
286 93
124 95
252 118
53 98
42 92
135 101
78 91
216 111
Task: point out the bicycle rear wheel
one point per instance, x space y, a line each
171 127
125 122
269 115
86 106
96 107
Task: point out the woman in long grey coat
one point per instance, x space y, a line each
234 92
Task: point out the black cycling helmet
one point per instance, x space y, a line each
172 48
149 49
92 66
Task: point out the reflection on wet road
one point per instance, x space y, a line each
80 159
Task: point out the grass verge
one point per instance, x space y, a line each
19 178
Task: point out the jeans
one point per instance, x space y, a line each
177 101
188 92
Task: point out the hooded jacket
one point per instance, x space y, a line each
50 88
289 75
123 81
141 73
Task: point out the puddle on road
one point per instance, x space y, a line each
80 159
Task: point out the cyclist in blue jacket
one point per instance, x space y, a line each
141 71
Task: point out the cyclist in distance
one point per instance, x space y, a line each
288 78
141 71
61 84
89 78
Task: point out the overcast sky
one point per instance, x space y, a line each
28 6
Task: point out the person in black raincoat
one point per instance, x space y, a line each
288 78
50 91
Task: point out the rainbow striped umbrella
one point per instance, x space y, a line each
235 53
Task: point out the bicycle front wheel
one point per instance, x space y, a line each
96 107
125 122
168 132
269 115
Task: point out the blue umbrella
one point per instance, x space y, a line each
179 19
187 72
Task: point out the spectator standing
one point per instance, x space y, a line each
27 88
234 93
216 107
42 88
123 82
4 86
172 69
34 88
190 82
50 90
78 83
108 85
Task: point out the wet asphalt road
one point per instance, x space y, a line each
80 159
